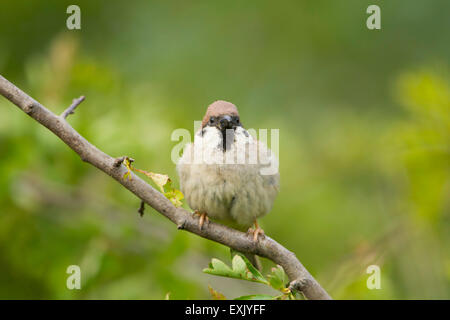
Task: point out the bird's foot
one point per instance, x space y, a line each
203 217
256 232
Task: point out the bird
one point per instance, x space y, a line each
226 174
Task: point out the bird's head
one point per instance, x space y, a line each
224 117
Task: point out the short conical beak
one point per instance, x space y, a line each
225 122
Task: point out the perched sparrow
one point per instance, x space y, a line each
226 174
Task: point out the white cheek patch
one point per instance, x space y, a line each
242 147
242 136
207 144
208 136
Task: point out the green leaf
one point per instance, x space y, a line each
255 275
239 270
219 268
278 278
238 265
159 179
175 196
256 297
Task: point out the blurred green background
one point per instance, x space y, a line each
364 141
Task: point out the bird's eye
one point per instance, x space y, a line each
237 120
212 120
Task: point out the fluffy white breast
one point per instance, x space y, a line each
232 186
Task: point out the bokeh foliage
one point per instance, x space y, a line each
364 141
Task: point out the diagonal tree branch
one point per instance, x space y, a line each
266 247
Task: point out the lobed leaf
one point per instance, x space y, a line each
255 275
278 278
238 270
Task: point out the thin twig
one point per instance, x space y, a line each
141 208
71 109
232 238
